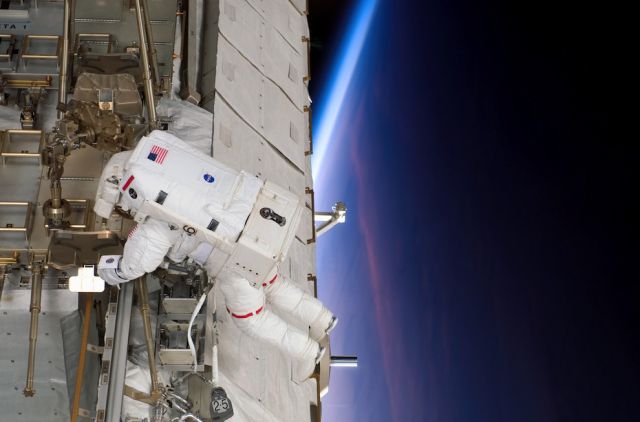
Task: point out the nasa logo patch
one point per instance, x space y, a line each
208 178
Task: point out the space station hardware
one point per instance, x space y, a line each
29 99
221 406
34 308
329 220
106 113
95 189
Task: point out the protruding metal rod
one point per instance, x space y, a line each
56 193
148 84
155 73
14 203
344 361
330 220
75 408
64 56
36 295
143 303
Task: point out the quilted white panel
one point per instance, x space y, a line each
258 41
260 103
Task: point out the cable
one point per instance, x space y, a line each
195 313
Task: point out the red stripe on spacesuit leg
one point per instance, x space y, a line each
250 314
129 180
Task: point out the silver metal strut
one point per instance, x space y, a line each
146 74
118 364
36 296
64 56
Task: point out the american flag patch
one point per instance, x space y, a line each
158 154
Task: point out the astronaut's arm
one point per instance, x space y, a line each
108 193
144 251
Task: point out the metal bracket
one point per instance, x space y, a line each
8 53
309 191
310 152
151 399
23 135
307 41
25 228
98 350
96 38
312 278
27 45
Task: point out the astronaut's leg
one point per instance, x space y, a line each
247 308
287 297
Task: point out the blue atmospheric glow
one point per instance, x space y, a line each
345 67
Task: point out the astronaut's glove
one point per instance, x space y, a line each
108 269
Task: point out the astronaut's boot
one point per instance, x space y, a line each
323 325
303 368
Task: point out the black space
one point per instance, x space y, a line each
328 20
522 121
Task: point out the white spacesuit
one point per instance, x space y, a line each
238 227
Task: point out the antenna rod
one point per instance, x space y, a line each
344 361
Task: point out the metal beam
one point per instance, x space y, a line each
119 358
64 56
36 295
344 361
143 303
155 73
144 54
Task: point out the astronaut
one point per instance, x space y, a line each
239 228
